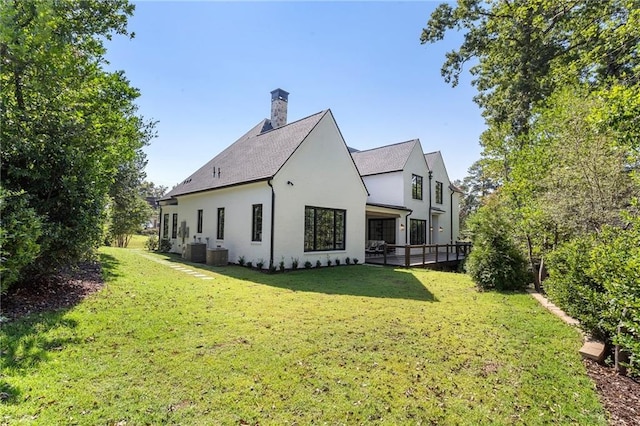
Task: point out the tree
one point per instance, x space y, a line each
128 209
475 187
524 51
150 189
66 123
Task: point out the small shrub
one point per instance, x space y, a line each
165 245
294 263
337 262
307 265
347 260
355 261
249 264
281 265
318 264
241 261
260 264
328 262
272 268
152 243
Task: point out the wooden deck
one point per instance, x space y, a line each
421 255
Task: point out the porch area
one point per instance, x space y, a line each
425 255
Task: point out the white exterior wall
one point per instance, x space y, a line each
416 165
323 175
439 174
237 202
385 188
170 210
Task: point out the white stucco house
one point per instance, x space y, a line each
411 199
286 191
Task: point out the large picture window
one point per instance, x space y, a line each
438 192
256 222
165 226
200 214
174 226
416 187
382 230
220 234
324 229
418 231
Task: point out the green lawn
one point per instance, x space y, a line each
342 345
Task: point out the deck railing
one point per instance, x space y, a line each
430 253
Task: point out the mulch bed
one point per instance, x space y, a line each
620 395
61 291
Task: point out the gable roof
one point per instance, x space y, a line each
431 158
389 158
257 155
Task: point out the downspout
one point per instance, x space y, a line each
160 227
451 213
406 228
429 230
273 210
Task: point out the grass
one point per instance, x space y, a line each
341 345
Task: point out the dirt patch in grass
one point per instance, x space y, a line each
620 395
61 291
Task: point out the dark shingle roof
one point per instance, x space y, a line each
390 158
431 158
257 155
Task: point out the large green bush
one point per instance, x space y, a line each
20 228
495 261
597 280
571 286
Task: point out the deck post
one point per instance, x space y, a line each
448 246
384 255
407 256
437 249
424 253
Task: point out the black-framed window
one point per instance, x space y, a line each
438 192
220 234
174 226
256 222
324 229
416 187
200 214
382 230
165 226
418 231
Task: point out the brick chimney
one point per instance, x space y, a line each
279 100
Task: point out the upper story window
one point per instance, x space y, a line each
174 226
200 214
220 234
416 187
438 192
256 222
324 229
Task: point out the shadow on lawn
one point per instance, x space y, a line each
352 280
29 340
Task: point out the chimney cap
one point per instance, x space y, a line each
279 94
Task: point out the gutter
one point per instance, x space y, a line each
406 227
429 230
451 213
273 210
160 224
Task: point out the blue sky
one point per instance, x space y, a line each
206 70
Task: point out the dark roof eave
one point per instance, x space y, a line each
389 206
219 187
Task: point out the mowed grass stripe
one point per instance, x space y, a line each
341 345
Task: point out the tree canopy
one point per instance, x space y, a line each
67 124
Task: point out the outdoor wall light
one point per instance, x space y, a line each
401 227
